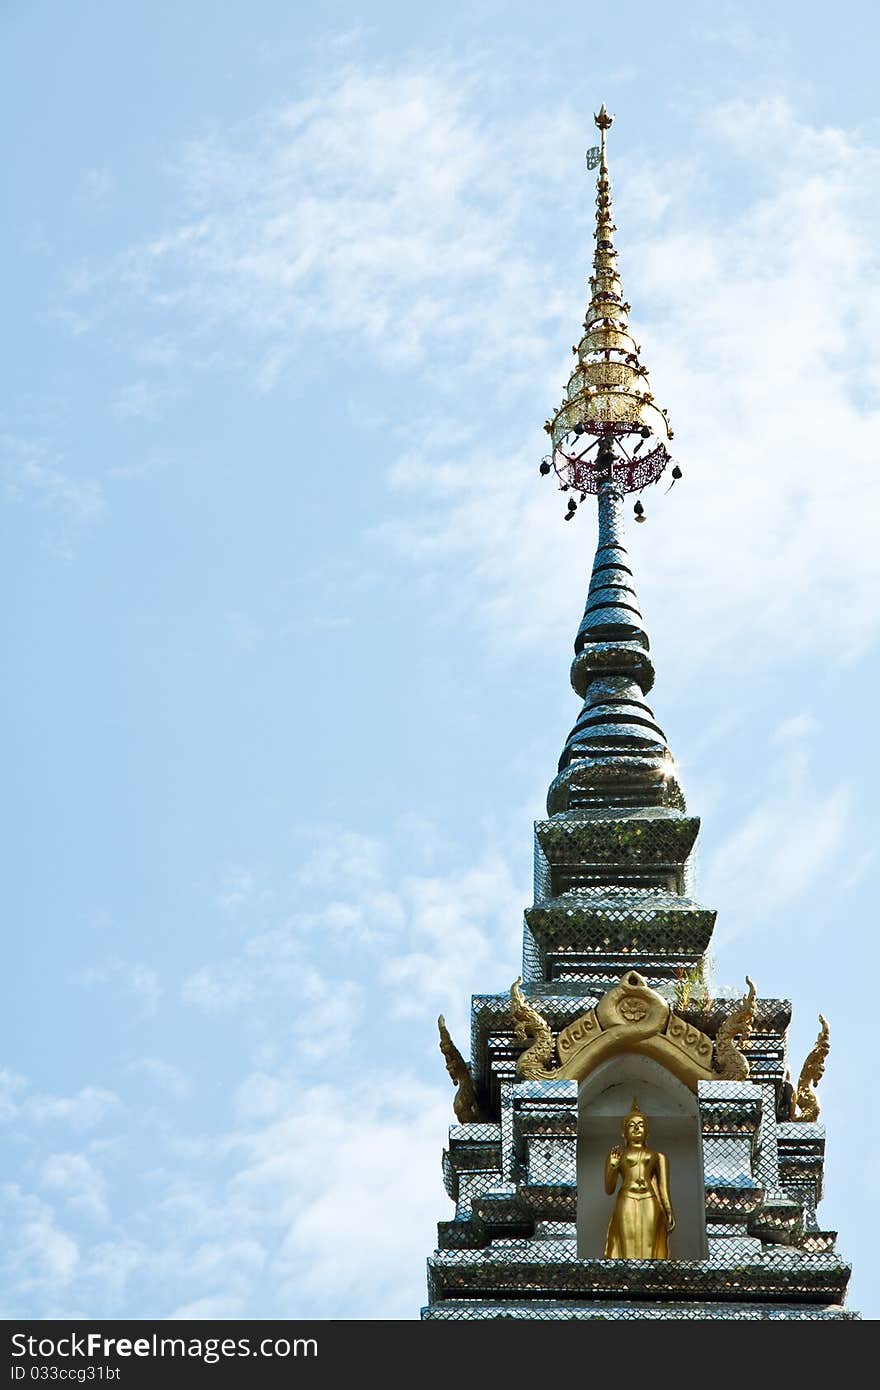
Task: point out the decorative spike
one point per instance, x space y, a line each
806 1101
730 1061
465 1104
536 1063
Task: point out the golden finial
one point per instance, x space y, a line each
604 121
608 427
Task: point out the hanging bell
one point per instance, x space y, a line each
545 467
676 474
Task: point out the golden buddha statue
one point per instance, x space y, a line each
642 1216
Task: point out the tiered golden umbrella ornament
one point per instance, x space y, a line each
609 427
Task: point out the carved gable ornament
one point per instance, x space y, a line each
631 1017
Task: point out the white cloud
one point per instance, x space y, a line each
31 470
237 887
418 938
274 967
166 1075
108 1267
797 726
219 987
864 865
83 1110
75 1176
140 400
282 1210
336 855
460 927
36 1253
137 978
308 1170
97 183
228 1261
788 839
393 211
159 352
215 1308
381 208
11 1087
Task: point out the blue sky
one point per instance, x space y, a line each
289 611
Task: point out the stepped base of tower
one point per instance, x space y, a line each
528 1234
471 1311
520 1271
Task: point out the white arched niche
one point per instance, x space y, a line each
604 1098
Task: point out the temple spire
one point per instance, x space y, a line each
609 438
614 999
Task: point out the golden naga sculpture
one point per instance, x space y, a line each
535 1063
731 1063
465 1104
631 1017
805 1099
643 1216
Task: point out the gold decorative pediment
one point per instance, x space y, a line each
632 1017
578 1035
689 1040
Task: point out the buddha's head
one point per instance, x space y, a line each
635 1126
